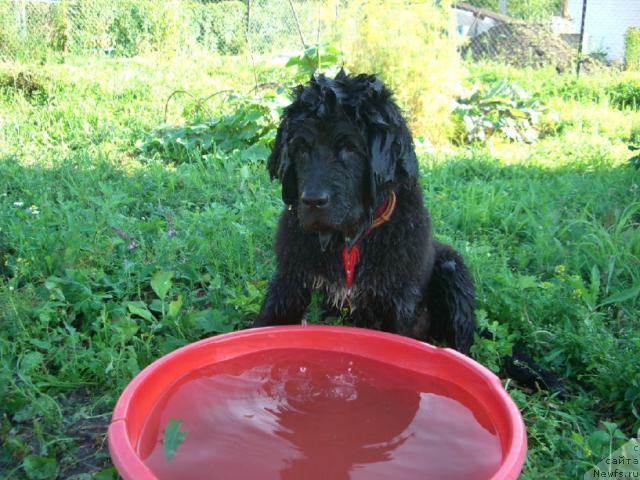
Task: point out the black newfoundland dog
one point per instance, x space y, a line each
355 227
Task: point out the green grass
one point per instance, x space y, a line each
88 223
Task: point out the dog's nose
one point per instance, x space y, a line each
315 199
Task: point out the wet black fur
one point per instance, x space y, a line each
344 140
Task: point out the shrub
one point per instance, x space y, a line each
632 48
625 94
501 107
91 24
524 9
24 40
411 47
248 127
8 31
129 28
60 36
30 84
144 25
121 27
582 89
220 27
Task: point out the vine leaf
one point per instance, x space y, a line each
172 439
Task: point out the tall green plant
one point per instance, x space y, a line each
632 48
323 57
625 93
412 47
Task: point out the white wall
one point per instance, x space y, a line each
468 25
606 23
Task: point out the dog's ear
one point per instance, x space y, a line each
391 152
280 165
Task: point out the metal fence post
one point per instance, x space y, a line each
248 20
502 6
21 16
582 20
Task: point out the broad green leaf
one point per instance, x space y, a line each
255 152
169 344
212 321
253 115
106 474
39 343
597 439
293 61
53 282
576 437
161 283
126 329
139 309
132 364
175 306
622 296
40 468
30 361
172 439
518 113
248 132
85 476
156 305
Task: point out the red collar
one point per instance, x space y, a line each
351 257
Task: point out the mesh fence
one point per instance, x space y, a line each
528 10
282 25
547 32
31 29
523 45
541 41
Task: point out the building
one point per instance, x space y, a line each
472 21
606 22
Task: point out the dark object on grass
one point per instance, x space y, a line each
635 160
355 228
521 367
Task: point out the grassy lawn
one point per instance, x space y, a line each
95 204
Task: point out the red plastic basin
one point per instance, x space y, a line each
480 385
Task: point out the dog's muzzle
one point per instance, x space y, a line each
315 199
315 214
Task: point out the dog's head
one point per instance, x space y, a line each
341 147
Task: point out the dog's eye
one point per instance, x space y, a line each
302 156
299 146
348 150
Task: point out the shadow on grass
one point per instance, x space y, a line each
81 241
